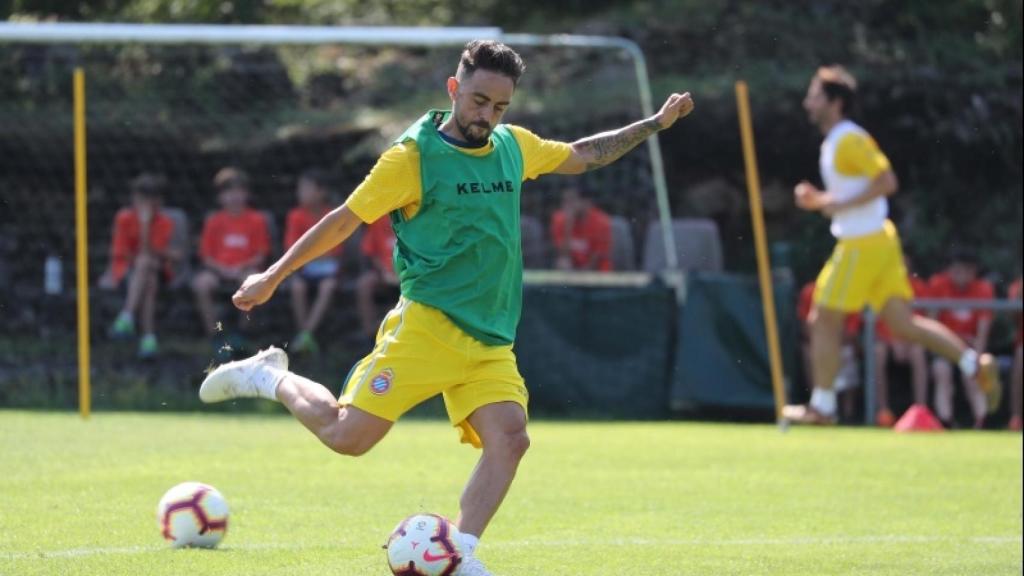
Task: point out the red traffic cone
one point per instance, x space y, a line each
918 418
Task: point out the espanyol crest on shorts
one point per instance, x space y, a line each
381 383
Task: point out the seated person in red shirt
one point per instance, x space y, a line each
848 377
378 247
960 281
140 256
581 234
234 244
901 352
313 192
1018 363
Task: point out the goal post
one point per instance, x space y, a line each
211 92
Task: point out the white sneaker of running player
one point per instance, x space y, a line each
470 566
243 378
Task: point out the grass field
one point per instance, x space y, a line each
591 498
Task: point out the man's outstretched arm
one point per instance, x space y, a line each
607 147
333 229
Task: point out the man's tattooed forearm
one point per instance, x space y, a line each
607 147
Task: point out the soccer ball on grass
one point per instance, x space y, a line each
192 514
424 545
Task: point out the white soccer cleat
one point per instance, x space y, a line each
243 378
470 566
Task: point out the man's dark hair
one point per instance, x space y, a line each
230 177
492 56
838 83
148 185
318 176
963 254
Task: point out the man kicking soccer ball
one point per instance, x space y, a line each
867 265
450 185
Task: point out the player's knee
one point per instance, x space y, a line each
346 443
511 445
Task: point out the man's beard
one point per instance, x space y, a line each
470 139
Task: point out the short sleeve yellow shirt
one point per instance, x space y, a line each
394 182
858 155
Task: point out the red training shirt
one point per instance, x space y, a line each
300 220
233 239
126 243
963 322
591 235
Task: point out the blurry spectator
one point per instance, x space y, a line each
848 377
1018 364
140 257
313 193
378 247
960 281
234 244
902 352
581 234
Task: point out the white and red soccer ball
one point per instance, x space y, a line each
192 514
424 545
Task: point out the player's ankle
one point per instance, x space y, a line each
468 543
267 379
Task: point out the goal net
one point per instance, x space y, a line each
186 110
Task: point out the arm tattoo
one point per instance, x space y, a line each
604 148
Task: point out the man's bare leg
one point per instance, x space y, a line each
826 327
942 372
147 319
344 429
203 285
826 345
324 294
882 383
299 306
919 373
942 341
502 429
930 333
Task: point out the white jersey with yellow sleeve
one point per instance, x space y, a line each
850 160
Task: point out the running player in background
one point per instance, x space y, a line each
866 267
450 185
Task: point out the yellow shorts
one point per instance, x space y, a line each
420 353
864 271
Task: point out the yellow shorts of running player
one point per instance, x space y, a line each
420 353
864 271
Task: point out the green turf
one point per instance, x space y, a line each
591 498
